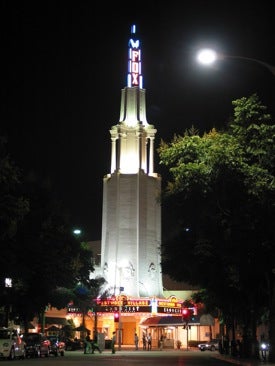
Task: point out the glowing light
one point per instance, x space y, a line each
129 164
8 282
207 56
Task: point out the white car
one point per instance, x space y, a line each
210 346
11 345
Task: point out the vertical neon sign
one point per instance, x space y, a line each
154 306
134 77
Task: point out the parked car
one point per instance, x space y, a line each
11 344
36 345
212 345
57 346
72 344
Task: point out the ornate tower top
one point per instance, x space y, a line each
133 138
133 108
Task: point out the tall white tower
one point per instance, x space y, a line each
131 217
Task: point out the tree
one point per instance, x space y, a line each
39 253
222 189
48 256
85 298
13 207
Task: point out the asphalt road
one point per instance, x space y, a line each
127 358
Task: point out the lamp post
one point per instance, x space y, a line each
119 267
265 84
208 56
119 320
8 286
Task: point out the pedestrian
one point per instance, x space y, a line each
113 342
136 341
149 342
95 346
161 342
144 341
87 344
226 345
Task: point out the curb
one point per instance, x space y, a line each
242 362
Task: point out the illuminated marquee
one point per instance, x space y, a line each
73 310
127 305
124 301
134 62
124 309
169 310
171 306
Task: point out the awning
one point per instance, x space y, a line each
166 321
52 328
82 328
207 319
30 326
58 321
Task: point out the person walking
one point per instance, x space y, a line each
95 346
136 341
161 343
149 342
113 343
144 341
87 344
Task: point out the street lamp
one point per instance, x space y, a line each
208 56
8 286
77 232
120 267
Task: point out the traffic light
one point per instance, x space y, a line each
185 314
116 317
192 314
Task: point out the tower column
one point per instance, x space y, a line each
131 213
151 161
113 155
145 164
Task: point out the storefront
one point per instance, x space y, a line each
173 330
162 318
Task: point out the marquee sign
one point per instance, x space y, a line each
167 310
124 309
170 306
73 310
128 305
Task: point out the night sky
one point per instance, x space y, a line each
63 68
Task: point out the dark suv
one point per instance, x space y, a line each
36 345
72 344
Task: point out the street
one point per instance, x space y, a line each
127 358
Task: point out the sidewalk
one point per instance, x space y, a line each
227 358
243 362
